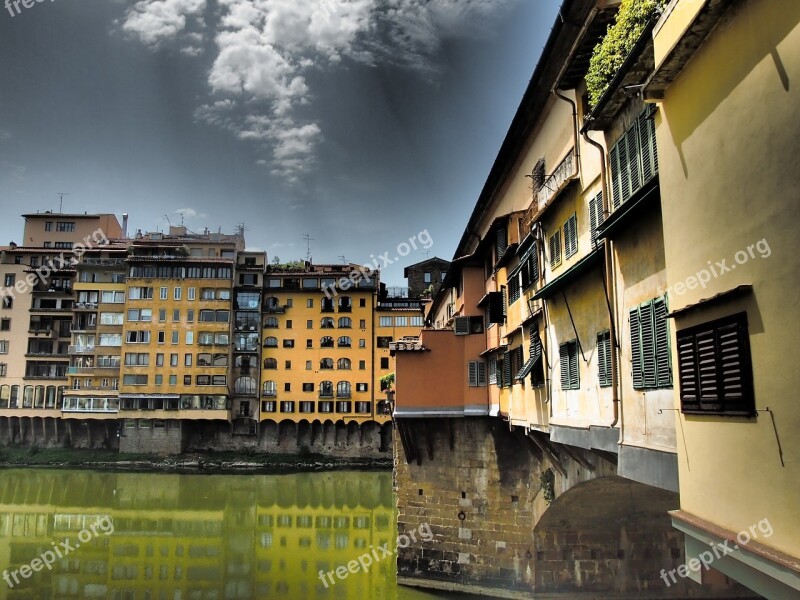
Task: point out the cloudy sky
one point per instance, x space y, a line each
358 122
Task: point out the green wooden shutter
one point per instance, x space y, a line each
634 168
505 303
563 356
571 236
502 242
636 349
687 373
663 358
506 369
616 177
647 326
707 373
555 248
595 215
647 140
481 373
604 358
574 372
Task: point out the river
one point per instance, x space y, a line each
149 536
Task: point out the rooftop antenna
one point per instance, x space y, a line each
427 254
343 259
61 201
308 240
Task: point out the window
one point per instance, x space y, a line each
492 368
345 304
308 387
162 315
191 293
385 322
345 322
571 236
287 406
140 293
362 343
343 389
310 303
176 337
568 355
595 215
173 360
476 372
362 365
326 323
159 379
344 342
111 318
108 297
134 380
326 389
187 360
287 364
555 249
133 359
190 316
326 342
8 302
383 342
326 363
650 345
288 343
270 323
309 366
362 302
269 389
159 360
287 387
161 337
270 342
634 159
417 321
67 226
384 362
401 321
163 293
714 368
135 314
3 346
135 337
427 277
513 288
3 369
343 363
176 315
48 226
9 279
604 358
189 338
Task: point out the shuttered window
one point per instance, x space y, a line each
634 159
533 366
496 307
604 358
555 249
568 355
571 236
506 369
650 356
714 368
595 215
499 370
501 242
513 288
530 268
492 368
476 370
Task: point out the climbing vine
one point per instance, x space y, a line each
547 480
611 52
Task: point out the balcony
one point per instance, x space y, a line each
85 306
563 174
81 349
91 370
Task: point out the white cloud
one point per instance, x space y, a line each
266 47
190 213
156 20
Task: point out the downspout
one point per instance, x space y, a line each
574 106
609 275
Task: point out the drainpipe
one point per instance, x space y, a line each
571 102
609 268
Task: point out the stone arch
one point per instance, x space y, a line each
606 534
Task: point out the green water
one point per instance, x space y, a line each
141 536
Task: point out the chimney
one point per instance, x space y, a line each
124 225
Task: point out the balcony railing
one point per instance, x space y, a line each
80 349
566 170
89 370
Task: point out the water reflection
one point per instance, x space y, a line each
197 537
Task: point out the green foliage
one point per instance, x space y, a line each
388 381
611 52
547 481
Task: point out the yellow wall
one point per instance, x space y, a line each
728 152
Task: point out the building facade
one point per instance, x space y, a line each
167 342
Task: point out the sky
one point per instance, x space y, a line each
361 124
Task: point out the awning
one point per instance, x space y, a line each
647 195
573 273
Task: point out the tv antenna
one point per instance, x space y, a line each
61 201
343 259
308 240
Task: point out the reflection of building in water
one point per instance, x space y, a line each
197 537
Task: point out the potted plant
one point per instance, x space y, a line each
387 382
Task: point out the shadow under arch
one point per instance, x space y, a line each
608 535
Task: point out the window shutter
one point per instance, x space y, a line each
731 344
632 138
492 370
506 369
472 373
496 307
648 345
663 365
574 373
616 177
555 248
481 373
502 242
505 302
604 358
687 374
625 176
499 372
647 140
533 261
461 325
595 215
563 356
636 349
571 236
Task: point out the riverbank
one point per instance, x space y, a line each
195 462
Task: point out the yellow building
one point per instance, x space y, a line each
725 82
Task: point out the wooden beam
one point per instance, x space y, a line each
548 450
577 457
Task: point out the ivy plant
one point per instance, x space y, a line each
622 35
